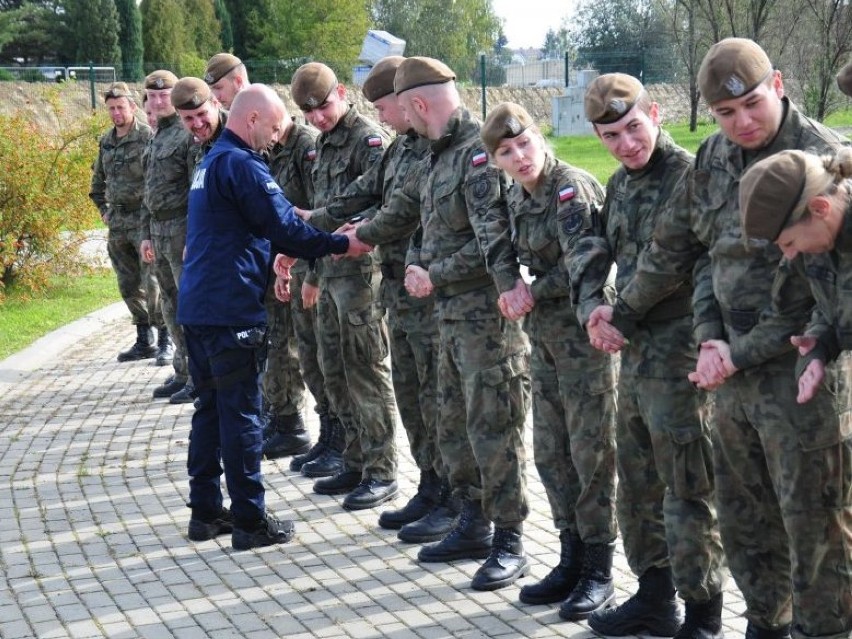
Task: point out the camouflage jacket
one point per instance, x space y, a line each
737 296
201 148
118 182
343 154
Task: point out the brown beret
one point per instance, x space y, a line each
190 93
732 68
771 193
507 120
311 85
844 79
379 82
419 71
160 79
118 90
219 66
610 96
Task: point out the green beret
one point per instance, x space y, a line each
610 96
732 68
311 85
770 194
507 120
379 82
419 71
160 79
190 93
219 66
118 90
844 79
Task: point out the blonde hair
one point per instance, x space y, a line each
823 175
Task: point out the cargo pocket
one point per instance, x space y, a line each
368 341
692 463
508 382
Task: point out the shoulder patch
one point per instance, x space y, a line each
311 155
481 188
374 140
271 186
479 159
566 193
573 222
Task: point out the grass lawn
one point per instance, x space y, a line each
23 319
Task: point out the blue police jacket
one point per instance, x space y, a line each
235 209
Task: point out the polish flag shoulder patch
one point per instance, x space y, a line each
479 159
566 194
311 155
374 140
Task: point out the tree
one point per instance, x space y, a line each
556 43
93 26
200 18
163 34
130 40
226 33
40 33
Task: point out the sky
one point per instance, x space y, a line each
525 22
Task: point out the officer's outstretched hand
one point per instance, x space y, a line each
282 289
304 214
602 334
357 248
146 250
282 265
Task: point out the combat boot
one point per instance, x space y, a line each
506 563
322 442
703 620
754 631
595 590
185 395
653 610
168 388
437 523
560 581
470 539
338 484
143 348
290 437
165 348
330 461
424 500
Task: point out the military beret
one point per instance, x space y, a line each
160 79
732 68
420 71
219 66
118 90
190 93
610 96
311 85
507 120
379 82
844 79
771 194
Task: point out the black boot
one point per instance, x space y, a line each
653 610
594 591
165 348
506 564
143 348
560 581
322 442
339 484
168 388
703 620
437 523
424 500
330 461
290 437
470 539
757 632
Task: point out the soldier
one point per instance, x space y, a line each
199 113
150 116
353 337
466 260
787 548
664 505
551 207
117 191
226 74
169 161
413 330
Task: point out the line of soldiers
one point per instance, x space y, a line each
691 308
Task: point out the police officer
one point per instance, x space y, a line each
117 190
778 517
665 508
233 198
226 74
466 260
552 206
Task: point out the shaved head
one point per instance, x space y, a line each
257 116
428 108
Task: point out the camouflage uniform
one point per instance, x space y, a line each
483 364
411 320
782 490
353 342
169 161
117 190
665 487
573 384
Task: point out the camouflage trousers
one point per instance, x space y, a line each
353 346
305 327
169 239
784 495
283 387
136 281
483 397
665 483
573 408
414 354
